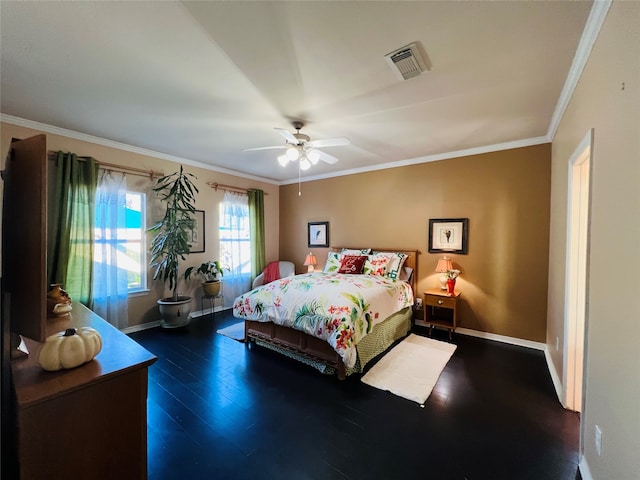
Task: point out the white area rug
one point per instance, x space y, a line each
235 331
412 368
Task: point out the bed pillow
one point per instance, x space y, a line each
376 264
396 262
351 251
352 264
333 262
406 274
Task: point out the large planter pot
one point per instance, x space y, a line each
175 314
211 288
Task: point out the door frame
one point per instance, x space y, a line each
577 273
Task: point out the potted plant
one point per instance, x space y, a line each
209 271
451 280
170 242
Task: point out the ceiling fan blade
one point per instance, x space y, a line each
325 157
330 142
264 148
287 135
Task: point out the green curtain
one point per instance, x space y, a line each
256 229
71 225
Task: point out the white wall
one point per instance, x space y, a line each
606 99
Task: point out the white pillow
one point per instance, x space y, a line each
353 251
376 264
396 262
334 260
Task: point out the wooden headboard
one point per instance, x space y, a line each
411 261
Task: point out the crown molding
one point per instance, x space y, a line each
21 122
63 132
598 13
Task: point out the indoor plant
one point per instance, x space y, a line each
451 280
170 242
209 271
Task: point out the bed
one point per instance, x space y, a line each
337 319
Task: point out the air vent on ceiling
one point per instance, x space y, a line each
406 62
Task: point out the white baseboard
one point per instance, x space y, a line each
207 311
156 323
142 326
501 338
584 469
555 378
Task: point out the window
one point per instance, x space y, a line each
125 238
235 245
134 246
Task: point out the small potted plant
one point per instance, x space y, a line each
209 271
451 280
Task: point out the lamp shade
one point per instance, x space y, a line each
444 264
292 153
304 164
310 262
283 160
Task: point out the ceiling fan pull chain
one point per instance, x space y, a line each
299 177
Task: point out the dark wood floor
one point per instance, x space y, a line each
219 410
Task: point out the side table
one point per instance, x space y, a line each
213 300
440 310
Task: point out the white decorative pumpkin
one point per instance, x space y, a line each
69 349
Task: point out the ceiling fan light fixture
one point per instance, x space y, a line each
304 164
292 153
313 156
298 146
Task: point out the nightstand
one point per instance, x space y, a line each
440 310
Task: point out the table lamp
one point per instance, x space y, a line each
444 265
310 262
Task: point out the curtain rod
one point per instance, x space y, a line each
228 188
119 168
133 170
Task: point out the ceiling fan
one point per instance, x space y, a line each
300 147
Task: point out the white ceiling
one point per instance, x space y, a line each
202 81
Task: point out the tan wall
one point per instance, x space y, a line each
612 379
142 307
505 195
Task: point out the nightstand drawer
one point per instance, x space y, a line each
439 301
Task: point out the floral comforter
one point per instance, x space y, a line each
338 308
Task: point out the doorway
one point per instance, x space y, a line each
576 273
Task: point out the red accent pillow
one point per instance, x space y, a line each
352 264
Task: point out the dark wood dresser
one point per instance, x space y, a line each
89 422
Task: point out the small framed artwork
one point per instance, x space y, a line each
448 235
197 236
318 234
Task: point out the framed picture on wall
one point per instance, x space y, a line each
448 235
197 236
318 234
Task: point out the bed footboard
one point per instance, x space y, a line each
294 341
